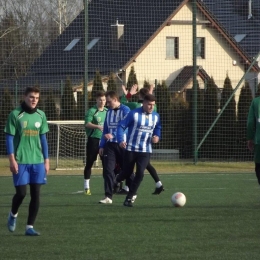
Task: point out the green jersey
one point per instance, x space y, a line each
26 129
95 117
133 105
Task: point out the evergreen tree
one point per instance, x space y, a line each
68 103
111 83
146 84
50 108
97 86
5 109
80 106
164 108
132 80
210 111
227 120
244 103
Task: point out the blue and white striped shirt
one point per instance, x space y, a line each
141 128
113 116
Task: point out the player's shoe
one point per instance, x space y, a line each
11 223
122 192
106 200
87 192
128 203
133 198
157 191
31 232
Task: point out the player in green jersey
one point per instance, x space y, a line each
94 121
133 105
27 151
253 133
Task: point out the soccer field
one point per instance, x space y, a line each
219 221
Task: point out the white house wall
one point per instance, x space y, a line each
152 64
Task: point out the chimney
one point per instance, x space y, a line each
117 35
249 9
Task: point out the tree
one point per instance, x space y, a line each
210 112
111 83
227 120
245 99
97 86
132 80
164 108
50 108
68 103
5 109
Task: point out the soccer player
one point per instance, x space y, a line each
143 128
133 105
27 151
94 121
253 133
109 148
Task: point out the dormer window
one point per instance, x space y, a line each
72 44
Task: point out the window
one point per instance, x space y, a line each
200 43
92 43
172 47
71 45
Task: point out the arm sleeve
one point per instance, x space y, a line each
89 116
157 128
105 131
9 143
45 150
122 125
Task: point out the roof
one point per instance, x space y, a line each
141 20
186 76
233 16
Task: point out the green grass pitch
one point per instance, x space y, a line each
219 221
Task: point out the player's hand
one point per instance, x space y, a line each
123 145
47 165
101 151
133 89
108 136
250 145
155 139
14 167
124 89
100 127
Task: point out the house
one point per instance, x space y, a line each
156 38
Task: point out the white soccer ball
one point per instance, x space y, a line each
178 199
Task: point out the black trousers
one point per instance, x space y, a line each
131 159
34 203
112 154
92 149
257 172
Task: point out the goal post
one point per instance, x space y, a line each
67 145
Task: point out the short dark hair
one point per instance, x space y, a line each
143 92
34 89
100 94
112 94
149 97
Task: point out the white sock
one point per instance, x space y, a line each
126 188
14 215
28 226
158 184
86 184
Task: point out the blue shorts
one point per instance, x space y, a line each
30 174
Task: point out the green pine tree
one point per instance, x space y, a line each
50 107
68 103
227 121
132 80
5 109
97 86
111 83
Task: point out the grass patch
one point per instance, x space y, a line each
217 222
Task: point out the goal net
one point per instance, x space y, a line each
67 145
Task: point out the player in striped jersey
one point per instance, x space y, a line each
143 128
109 148
132 105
